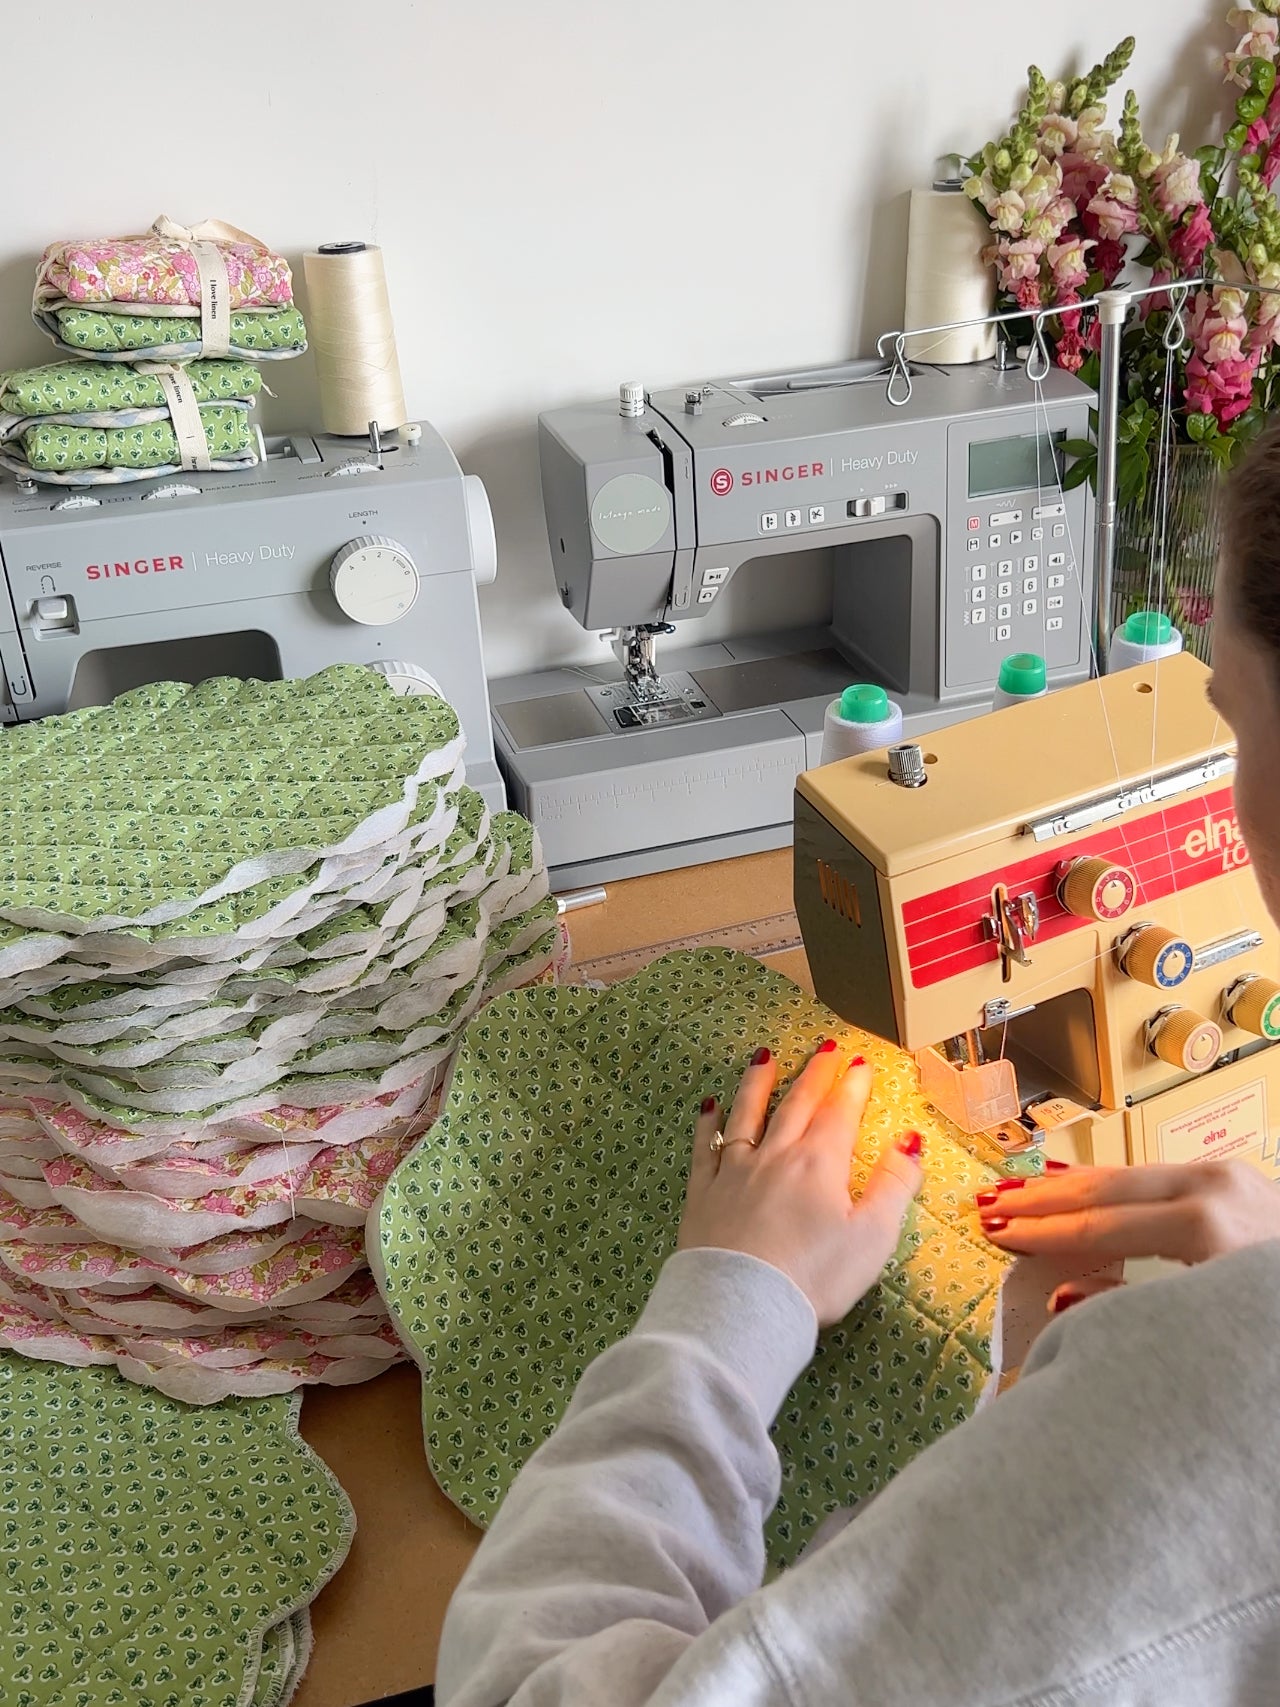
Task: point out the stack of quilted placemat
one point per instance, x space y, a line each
163 329
241 928
153 1553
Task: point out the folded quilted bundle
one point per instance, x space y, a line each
263 334
238 943
169 294
160 270
81 422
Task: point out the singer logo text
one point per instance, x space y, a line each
134 566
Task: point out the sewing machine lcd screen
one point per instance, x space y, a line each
1014 465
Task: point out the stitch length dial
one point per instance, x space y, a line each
374 580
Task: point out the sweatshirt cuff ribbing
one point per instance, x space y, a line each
748 1314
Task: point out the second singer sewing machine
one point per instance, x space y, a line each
1060 921
941 528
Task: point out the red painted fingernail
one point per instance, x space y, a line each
1010 1184
708 1103
985 1197
825 1048
761 1056
1053 1166
858 1061
995 1223
1064 1301
911 1144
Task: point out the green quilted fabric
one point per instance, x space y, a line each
79 388
153 1554
150 444
523 1235
269 332
218 757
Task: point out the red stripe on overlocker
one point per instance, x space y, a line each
1175 848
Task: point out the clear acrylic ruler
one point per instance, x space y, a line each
776 934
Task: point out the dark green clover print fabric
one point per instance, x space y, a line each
523 1235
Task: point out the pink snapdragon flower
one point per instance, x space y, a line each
1068 265
1058 135
1265 331
1220 370
1115 207
1175 181
1082 177
1196 607
1189 242
1258 41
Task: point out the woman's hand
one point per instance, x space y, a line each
1099 1216
780 1191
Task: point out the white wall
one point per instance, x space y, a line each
569 192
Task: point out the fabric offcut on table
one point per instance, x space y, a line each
523 1234
239 939
153 1552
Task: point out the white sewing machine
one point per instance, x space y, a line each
330 552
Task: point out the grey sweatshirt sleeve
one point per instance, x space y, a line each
641 1520
1102 1534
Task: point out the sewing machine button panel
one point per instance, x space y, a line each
1005 590
974 545
978 572
1044 511
978 615
1004 612
714 577
769 522
994 542
1006 519
1037 533
1056 581
793 518
1054 624
817 515
1030 565
1055 602
979 595
1005 566
1028 607
975 524
706 595
1015 538
1057 560
1059 531
1004 632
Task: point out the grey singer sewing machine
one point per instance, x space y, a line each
330 552
913 545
